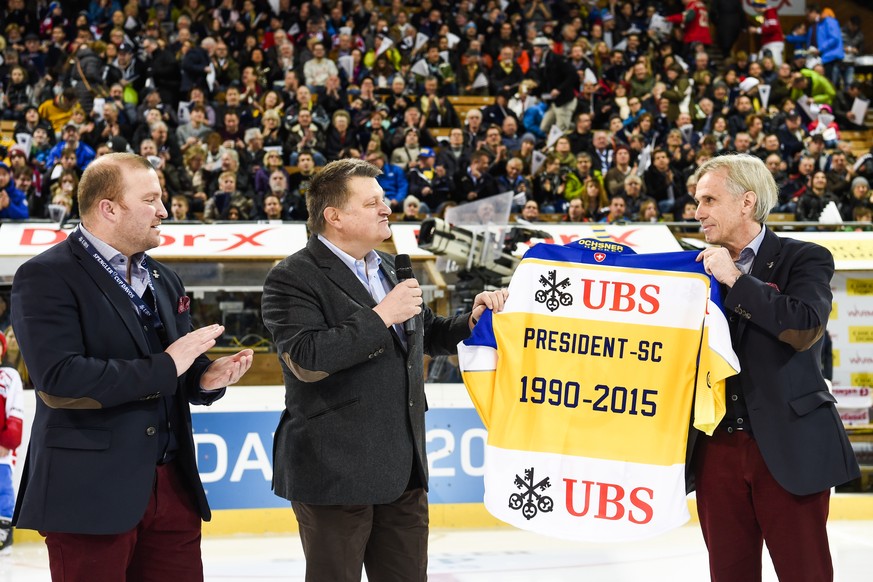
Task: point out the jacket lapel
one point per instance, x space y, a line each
763 267
339 273
345 280
768 255
165 300
113 293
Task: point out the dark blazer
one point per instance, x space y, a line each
781 311
353 423
90 464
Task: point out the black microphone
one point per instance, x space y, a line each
403 268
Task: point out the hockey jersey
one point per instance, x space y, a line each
771 30
585 382
11 412
695 21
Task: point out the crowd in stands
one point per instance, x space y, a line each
599 110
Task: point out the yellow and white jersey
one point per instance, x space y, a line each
585 382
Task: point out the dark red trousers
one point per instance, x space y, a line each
163 547
389 540
741 506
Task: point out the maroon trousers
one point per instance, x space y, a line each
741 506
163 547
389 540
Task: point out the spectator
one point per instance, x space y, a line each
179 208
456 154
340 135
648 211
812 202
436 110
13 202
824 39
557 78
858 197
411 209
514 180
298 183
594 199
70 140
272 162
506 75
661 182
474 182
772 38
580 138
227 196
853 46
393 179
408 152
632 191
272 206
790 135
428 181
525 152
840 175
796 185
318 68
272 131
843 103
817 87
616 210
530 211
59 110
195 130
548 187
305 135
575 211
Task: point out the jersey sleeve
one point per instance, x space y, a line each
717 363
12 406
477 359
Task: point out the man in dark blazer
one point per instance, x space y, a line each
766 473
110 477
349 451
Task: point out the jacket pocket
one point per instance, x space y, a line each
65 437
806 404
332 409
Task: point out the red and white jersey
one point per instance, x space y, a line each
697 29
11 412
771 30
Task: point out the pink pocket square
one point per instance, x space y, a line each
775 286
184 304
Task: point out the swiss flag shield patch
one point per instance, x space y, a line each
599 257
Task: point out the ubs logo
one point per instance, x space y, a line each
553 295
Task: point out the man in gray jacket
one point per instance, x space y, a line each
350 447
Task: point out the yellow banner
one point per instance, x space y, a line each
861 378
859 286
860 334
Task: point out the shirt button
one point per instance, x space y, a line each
411 403
150 431
739 421
734 397
730 429
409 366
